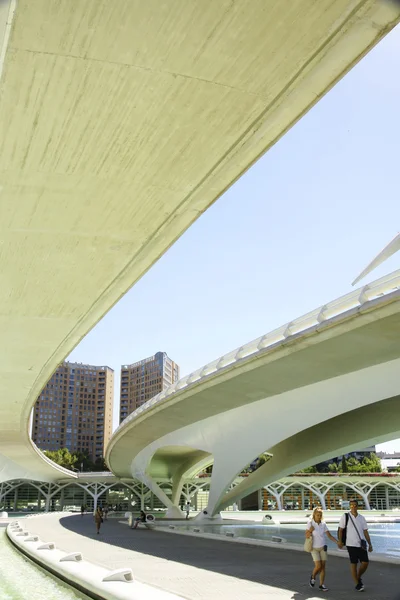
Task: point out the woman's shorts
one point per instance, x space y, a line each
319 554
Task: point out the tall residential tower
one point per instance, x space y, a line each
75 410
144 379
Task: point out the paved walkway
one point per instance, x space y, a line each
198 568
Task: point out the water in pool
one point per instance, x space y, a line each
20 579
385 536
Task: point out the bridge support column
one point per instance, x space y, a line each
173 511
95 490
366 500
321 498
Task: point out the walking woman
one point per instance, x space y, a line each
317 528
98 518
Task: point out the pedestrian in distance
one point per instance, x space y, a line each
318 530
98 518
187 509
82 510
353 533
140 519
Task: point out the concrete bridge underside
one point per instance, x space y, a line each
311 397
121 122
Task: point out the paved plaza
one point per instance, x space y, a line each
197 568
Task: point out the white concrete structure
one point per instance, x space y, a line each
317 387
387 252
78 571
121 122
380 491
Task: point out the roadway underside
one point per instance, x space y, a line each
320 358
122 122
204 568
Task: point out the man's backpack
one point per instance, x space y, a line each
344 533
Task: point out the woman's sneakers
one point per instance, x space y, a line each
322 587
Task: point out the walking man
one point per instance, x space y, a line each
187 509
353 533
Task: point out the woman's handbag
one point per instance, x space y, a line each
308 544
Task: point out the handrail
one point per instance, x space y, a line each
355 299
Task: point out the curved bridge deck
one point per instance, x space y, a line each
197 568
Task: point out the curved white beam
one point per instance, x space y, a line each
387 252
359 428
121 123
253 404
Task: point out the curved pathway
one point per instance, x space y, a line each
198 568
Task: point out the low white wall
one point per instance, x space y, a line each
74 569
300 516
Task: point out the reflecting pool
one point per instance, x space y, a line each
20 579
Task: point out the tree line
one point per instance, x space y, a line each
76 461
370 463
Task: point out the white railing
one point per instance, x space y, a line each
354 300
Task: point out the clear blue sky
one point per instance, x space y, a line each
291 235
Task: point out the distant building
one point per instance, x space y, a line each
389 462
75 410
144 379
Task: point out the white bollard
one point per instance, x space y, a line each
47 546
120 575
73 557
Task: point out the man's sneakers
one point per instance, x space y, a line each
312 581
360 586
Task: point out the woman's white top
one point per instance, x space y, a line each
319 533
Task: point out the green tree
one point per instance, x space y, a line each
333 467
100 465
370 464
312 469
261 460
83 461
353 465
344 466
62 457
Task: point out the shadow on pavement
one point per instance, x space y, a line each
284 569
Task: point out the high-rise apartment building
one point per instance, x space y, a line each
75 410
144 379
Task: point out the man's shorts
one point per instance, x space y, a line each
357 555
319 554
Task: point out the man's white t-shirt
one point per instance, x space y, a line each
318 534
358 522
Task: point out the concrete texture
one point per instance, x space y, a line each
122 122
304 399
203 568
